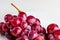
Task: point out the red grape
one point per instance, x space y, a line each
57 34
22 16
4 28
16 31
38 28
31 20
37 21
15 21
8 17
52 27
33 34
51 37
23 25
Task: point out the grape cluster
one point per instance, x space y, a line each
23 27
53 32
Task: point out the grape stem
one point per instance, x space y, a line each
16 7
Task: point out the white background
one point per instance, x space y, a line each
48 11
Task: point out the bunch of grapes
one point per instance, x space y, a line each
53 32
23 27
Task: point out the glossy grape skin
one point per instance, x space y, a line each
22 16
25 32
5 28
7 17
52 27
16 31
23 25
9 25
15 21
37 21
57 34
38 28
33 34
31 20
50 37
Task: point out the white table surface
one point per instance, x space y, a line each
48 11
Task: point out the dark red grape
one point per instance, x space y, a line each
52 27
7 17
15 21
38 28
16 31
4 28
51 37
42 35
25 32
23 25
37 21
22 16
33 34
9 25
57 34
31 20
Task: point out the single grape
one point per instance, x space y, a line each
4 28
33 34
16 31
7 17
22 16
15 21
52 27
31 20
25 32
51 37
37 21
23 25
